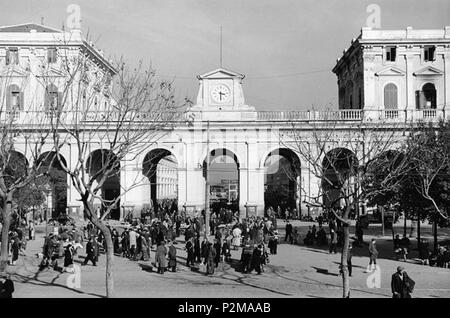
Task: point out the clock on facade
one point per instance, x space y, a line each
220 94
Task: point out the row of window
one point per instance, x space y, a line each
15 99
429 53
425 98
12 55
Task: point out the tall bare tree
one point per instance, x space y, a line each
124 110
346 162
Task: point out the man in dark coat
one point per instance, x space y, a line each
190 252
210 259
257 259
91 252
373 254
289 233
401 284
197 251
6 286
218 249
246 258
172 257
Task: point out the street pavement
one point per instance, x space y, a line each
296 271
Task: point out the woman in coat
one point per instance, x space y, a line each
160 257
145 248
210 264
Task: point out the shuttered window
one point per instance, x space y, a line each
14 101
52 98
390 96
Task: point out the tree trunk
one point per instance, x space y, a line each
109 249
418 229
435 243
345 277
404 224
6 213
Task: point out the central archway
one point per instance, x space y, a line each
98 162
282 181
56 179
224 179
160 166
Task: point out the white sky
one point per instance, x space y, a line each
286 48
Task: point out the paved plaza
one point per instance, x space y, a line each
296 271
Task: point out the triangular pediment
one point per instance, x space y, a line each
52 72
390 71
13 73
428 71
220 73
27 27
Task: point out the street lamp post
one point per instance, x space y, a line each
207 184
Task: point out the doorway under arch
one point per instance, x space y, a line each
160 166
224 177
103 161
56 179
282 180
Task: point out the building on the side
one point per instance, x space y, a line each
167 178
395 70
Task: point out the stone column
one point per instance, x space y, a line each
410 93
447 83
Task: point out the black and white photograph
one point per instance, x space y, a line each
224 153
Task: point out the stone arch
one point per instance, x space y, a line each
102 160
168 181
230 196
56 179
282 179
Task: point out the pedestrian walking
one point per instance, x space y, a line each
218 249
172 257
333 241
401 284
289 233
91 252
190 252
257 259
15 247
210 260
373 254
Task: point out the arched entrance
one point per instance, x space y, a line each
339 171
103 161
224 180
282 180
55 182
161 168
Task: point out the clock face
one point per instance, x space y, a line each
221 93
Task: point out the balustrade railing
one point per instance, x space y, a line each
43 118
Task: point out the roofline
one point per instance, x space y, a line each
20 24
241 76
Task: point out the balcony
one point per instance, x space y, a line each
45 119
357 115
